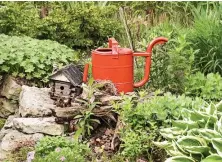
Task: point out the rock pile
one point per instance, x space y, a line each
31 113
28 111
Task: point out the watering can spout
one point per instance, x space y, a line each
159 40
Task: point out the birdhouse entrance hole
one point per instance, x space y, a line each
62 88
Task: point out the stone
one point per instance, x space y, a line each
9 122
3 132
38 125
3 155
10 88
35 102
14 140
7 107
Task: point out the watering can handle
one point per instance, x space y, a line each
114 45
148 54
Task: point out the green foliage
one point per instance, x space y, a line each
65 154
208 87
49 144
171 63
135 143
85 119
55 148
202 142
143 117
20 155
159 110
30 58
206 37
79 25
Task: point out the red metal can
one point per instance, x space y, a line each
116 64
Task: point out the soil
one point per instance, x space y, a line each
101 139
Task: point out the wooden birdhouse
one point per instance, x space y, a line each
66 81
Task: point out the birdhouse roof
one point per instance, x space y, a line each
71 72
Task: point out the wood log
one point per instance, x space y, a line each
107 99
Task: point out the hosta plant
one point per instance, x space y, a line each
197 137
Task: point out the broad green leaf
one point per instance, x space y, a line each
218 125
171 133
219 106
198 115
217 144
184 124
197 149
202 118
212 158
193 132
211 109
180 159
191 141
173 152
164 144
208 134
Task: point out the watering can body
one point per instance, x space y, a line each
116 64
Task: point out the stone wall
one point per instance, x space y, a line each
29 114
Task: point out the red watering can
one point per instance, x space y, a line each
116 64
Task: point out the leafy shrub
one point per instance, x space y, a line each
135 143
144 117
158 111
31 58
171 63
197 137
79 25
206 37
208 87
57 148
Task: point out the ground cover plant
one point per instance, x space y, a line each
60 149
143 118
208 87
31 58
